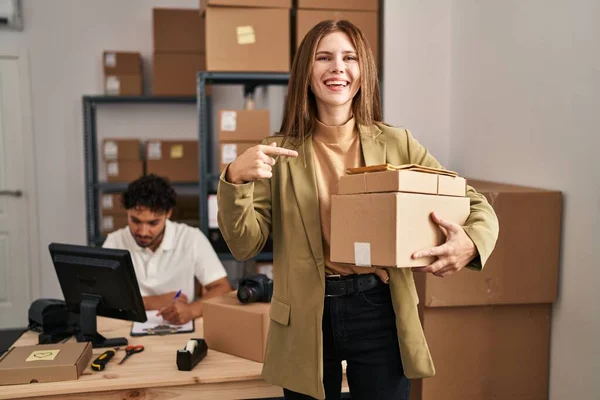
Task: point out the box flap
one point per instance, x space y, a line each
391 167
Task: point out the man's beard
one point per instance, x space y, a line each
153 241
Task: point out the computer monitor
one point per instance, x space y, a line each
98 281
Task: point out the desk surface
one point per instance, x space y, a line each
153 373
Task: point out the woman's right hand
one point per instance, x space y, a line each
256 163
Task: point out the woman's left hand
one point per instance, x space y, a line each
453 255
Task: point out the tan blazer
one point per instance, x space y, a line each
286 206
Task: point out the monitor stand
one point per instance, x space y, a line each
87 324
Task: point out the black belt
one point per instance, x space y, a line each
336 285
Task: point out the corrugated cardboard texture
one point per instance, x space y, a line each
68 364
357 5
523 268
366 21
178 31
124 171
235 328
243 125
228 152
499 352
121 63
110 204
389 181
121 149
247 39
247 3
174 74
395 225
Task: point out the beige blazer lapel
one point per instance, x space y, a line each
374 150
302 171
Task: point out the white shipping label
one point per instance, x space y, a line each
213 209
228 153
154 151
111 150
107 202
112 169
108 223
228 121
113 85
362 254
245 34
110 60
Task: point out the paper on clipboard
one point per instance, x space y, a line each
156 325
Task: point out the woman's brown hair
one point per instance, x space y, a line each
301 107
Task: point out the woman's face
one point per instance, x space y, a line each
335 75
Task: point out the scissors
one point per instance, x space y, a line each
130 350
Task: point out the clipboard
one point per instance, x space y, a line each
157 326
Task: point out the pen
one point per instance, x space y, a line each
176 295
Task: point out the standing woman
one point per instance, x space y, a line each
321 312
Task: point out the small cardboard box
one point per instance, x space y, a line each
243 125
366 21
110 223
110 204
228 152
174 74
121 149
123 85
176 160
44 363
124 171
178 30
247 39
357 5
122 63
224 318
247 3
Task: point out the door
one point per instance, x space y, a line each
15 268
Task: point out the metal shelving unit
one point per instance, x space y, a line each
207 176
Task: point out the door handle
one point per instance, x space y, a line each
14 193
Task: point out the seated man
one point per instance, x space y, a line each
166 255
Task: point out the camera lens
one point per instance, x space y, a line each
247 294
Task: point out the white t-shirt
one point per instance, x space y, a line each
183 253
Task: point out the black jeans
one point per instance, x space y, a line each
361 329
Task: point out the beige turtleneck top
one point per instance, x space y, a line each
336 148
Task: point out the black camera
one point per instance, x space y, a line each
255 288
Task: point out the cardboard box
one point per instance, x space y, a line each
243 125
172 150
187 208
235 328
247 39
44 363
403 181
183 170
523 268
178 30
174 74
247 3
110 204
123 85
121 149
123 171
356 5
385 229
110 223
499 352
366 21
228 152
122 63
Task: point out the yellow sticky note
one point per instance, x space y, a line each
245 35
177 151
42 355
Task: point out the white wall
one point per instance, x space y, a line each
525 109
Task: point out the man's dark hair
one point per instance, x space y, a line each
150 191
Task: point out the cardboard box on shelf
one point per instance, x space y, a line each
246 3
187 208
178 30
176 160
123 85
243 125
124 171
221 316
44 363
523 268
366 21
228 152
110 223
122 63
247 39
174 74
183 170
110 204
357 5
121 149
494 352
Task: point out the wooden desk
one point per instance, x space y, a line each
153 373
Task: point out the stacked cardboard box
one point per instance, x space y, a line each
176 160
122 73
123 160
113 215
239 130
179 51
362 13
187 210
247 35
